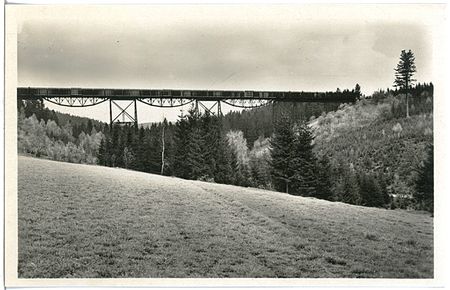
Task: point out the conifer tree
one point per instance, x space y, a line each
281 148
108 152
358 91
323 184
210 130
101 158
140 150
181 138
404 73
195 156
224 163
152 150
89 126
350 189
370 191
303 162
116 151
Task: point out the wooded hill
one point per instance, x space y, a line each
373 140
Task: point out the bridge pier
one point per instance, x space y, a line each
127 118
210 109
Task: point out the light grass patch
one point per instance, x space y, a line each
84 221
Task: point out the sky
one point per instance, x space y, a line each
248 47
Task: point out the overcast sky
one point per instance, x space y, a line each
309 48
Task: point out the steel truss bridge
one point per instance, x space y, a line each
123 100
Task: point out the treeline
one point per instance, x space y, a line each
416 90
138 149
420 100
195 147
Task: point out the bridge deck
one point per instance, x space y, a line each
200 95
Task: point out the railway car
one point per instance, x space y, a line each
134 93
75 92
58 92
248 94
187 93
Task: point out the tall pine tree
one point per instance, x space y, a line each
281 144
403 74
181 138
303 162
323 180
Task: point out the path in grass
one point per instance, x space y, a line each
91 221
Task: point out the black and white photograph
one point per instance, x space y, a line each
221 141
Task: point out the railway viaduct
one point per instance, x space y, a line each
125 100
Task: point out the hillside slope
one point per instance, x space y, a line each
91 221
374 137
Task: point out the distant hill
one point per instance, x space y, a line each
64 118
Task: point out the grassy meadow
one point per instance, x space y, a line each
83 221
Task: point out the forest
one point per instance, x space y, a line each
364 153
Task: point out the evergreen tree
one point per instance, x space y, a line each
108 152
114 148
424 187
101 158
303 162
351 189
323 184
224 163
169 149
89 126
152 150
370 191
210 130
404 72
140 160
181 138
195 156
384 190
282 144
358 91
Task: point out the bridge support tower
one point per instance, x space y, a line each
122 113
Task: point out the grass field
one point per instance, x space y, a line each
91 221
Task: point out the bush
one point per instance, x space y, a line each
370 191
